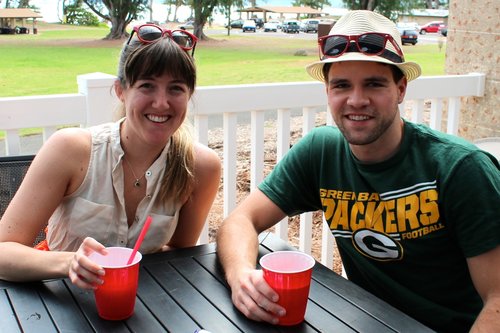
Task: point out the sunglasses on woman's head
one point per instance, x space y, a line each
371 44
150 33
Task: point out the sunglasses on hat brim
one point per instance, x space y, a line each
371 44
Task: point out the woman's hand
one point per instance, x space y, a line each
83 272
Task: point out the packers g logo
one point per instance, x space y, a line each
377 245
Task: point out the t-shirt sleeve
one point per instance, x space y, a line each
293 183
472 197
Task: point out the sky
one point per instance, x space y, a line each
50 11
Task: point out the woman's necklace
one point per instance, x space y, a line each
137 182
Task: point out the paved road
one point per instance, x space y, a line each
430 38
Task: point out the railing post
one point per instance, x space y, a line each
436 118
282 147
201 135
283 133
229 168
257 149
13 143
453 115
417 115
100 97
305 237
327 244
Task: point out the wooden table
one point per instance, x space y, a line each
184 290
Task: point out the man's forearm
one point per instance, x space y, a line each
237 245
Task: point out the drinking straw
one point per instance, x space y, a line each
140 239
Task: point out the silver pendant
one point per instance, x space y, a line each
137 183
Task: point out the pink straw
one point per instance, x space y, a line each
140 239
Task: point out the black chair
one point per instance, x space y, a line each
12 171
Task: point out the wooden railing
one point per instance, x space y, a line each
428 99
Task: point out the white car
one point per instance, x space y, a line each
408 25
249 25
271 26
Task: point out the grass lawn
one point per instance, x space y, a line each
48 63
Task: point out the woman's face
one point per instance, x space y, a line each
155 107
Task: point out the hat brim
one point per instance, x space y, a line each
411 70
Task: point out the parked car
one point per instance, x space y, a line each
408 36
271 26
433 26
290 27
310 25
302 24
444 31
408 25
259 23
236 24
249 25
7 31
187 25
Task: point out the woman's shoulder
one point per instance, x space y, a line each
206 157
65 157
70 140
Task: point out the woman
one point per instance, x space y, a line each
96 186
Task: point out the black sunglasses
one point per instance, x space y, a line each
371 44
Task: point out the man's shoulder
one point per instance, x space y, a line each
444 140
443 148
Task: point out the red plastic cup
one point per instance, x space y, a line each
115 298
289 274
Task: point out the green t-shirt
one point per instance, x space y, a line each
403 226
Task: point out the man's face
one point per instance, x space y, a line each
363 100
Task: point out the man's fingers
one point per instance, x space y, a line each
255 312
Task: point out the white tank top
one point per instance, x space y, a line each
97 207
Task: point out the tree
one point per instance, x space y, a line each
23 4
202 11
316 4
119 12
225 8
20 3
389 8
435 4
176 4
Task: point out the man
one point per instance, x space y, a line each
414 211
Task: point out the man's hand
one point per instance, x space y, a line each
254 298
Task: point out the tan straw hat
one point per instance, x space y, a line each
359 22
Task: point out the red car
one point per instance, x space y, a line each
433 26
